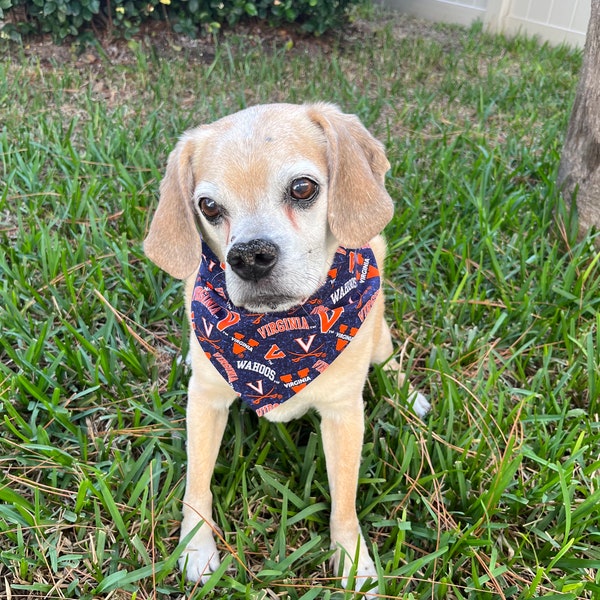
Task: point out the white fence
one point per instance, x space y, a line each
557 21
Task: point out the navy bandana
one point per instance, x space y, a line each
268 357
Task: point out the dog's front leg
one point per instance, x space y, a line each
205 426
342 442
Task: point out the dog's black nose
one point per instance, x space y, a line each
253 260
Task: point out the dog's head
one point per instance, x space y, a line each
274 190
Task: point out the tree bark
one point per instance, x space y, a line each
579 170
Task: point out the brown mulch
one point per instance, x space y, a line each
160 38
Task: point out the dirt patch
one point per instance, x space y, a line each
157 36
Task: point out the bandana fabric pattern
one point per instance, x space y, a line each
268 357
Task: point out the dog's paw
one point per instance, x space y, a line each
199 564
200 558
420 404
357 572
418 401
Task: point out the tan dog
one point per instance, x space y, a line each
273 191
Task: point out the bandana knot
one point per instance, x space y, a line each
268 357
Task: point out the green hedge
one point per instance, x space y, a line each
63 18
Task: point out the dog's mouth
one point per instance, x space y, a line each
279 292
271 303
266 297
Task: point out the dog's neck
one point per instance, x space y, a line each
269 357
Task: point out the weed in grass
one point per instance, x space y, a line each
493 303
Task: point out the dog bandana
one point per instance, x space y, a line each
268 357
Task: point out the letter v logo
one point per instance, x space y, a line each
330 318
231 319
274 352
208 327
306 345
257 387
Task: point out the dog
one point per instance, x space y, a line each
273 217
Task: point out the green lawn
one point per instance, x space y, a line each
494 304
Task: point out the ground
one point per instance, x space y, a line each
158 36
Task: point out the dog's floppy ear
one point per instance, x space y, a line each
173 242
359 205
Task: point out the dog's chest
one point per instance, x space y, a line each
267 358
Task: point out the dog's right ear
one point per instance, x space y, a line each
173 241
359 205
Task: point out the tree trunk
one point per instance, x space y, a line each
579 170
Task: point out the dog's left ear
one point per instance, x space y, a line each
359 205
173 242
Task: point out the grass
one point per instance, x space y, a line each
494 304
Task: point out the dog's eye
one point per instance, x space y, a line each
303 189
210 209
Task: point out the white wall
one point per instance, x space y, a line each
557 21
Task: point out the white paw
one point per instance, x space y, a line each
419 403
186 360
200 558
359 572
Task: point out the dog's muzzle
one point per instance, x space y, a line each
253 260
